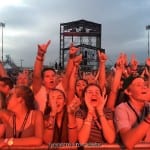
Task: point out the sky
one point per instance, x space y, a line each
32 22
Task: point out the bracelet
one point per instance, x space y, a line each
50 126
39 58
87 123
40 53
71 56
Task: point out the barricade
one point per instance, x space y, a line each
89 146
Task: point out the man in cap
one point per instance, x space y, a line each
132 117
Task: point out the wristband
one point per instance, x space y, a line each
41 53
39 58
71 56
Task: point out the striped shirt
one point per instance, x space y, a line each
96 134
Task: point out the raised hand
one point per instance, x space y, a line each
74 105
133 62
91 109
77 60
102 56
147 62
73 50
43 47
101 103
121 61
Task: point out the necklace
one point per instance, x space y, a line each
22 126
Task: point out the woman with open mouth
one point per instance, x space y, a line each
59 123
94 121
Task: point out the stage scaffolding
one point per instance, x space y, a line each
84 34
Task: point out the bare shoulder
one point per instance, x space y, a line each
37 113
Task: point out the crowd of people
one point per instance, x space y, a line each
111 106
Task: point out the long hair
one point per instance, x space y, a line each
7 81
83 105
48 108
26 93
2 100
80 79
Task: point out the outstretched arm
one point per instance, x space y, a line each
69 67
108 128
102 74
73 102
73 78
120 66
37 79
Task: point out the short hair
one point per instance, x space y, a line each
7 81
47 69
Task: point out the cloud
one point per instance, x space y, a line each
36 21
